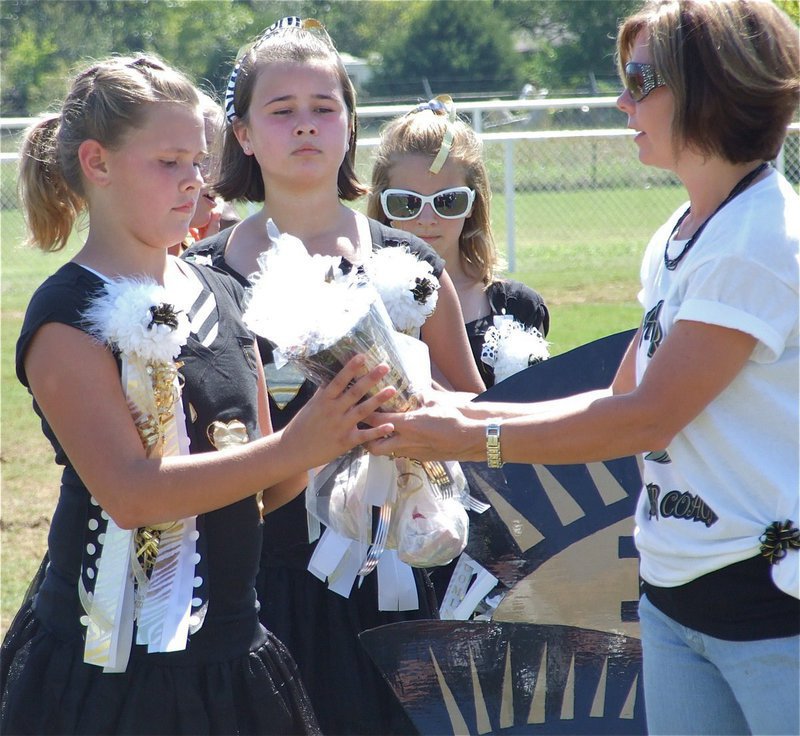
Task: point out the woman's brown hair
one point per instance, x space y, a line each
733 67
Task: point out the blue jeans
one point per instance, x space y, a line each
697 684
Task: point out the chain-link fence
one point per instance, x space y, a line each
566 171
552 182
581 188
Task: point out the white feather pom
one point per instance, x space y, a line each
407 286
300 302
126 316
511 347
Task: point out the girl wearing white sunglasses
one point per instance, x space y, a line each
429 178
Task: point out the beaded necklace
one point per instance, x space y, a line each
744 182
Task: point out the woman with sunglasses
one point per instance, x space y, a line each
708 389
429 178
289 143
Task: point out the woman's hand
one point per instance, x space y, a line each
437 431
436 396
328 425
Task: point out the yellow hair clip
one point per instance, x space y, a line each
441 105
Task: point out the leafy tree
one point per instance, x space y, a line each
44 41
450 47
474 47
570 42
791 7
361 27
589 60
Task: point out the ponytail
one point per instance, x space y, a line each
50 206
105 102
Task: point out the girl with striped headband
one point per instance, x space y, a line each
290 144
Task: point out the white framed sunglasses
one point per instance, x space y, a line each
449 204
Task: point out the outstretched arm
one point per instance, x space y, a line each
692 367
83 401
624 382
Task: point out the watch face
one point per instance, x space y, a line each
494 458
561 653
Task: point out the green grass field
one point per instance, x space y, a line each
580 250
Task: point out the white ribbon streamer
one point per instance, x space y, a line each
107 641
123 592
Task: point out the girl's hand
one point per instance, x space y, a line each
328 425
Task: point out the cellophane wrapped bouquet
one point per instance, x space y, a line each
319 315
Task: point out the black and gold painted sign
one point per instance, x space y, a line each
561 654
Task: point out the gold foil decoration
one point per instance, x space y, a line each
152 390
152 393
224 435
146 543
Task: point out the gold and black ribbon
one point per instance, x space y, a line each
778 539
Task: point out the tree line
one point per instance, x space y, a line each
414 48
460 47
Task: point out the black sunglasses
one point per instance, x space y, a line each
641 79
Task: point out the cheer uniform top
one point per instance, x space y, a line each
319 626
506 297
233 676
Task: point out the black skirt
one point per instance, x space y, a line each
48 689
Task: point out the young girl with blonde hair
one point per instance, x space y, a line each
149 387
430 179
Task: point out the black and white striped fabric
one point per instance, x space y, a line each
230 91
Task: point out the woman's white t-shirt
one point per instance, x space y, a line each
733 470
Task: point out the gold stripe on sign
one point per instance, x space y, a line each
507 704
525 534
537 711
563 503
456 718
481 713
598 704
608 486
